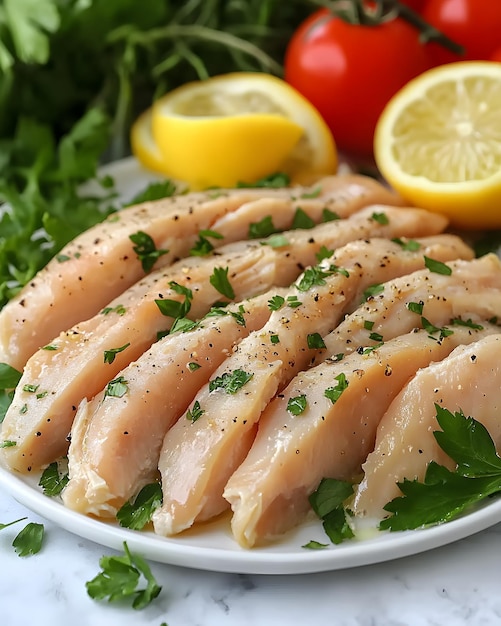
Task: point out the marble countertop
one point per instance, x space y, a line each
456 585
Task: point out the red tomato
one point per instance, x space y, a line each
416 5
475 24
349 72
496 55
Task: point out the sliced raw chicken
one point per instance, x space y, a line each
72 366
472 290
101 263
116 442
199 455
469 381
331 437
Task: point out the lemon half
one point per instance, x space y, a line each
438 142
232 128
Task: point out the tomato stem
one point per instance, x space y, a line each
375 12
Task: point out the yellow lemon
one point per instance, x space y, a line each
232 128
438 142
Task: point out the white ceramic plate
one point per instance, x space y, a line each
211 546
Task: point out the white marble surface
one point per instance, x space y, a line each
456 585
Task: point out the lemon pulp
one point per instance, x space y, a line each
438 142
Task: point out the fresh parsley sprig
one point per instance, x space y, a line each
120 578
445 494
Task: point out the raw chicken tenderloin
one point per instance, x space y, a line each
74 365
199 455
116 442
332 436
468 380
101 263
471 291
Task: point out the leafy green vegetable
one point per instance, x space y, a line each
52 480
297 405
109 355
445 494
195 413
119 580
263 228
116 388
334 393
327 502
231 382
302 220
73 77
203 246
137 514
146 249
219 280
29 540
437 266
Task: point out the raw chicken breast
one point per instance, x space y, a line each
472 290
344 401
115 442
468 380
101 263
72 366
199 455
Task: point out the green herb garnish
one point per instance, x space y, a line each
109 355
146 250
230 382
437 266
119 580
219 280
445 494
138 512
297 405
52 480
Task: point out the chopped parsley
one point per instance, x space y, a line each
416 307
195 413
380 218
52 480
327 502
203 246
119 309
315 341
192 366
29 540
437 266
263 228
109 355
116 388
119 580
275 302
302 220
334 393
297 405
410 245
146 250
329 216
219 280
137 513
372 291
230 382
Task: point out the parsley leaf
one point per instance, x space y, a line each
119 579
219 280
195 413
273 181
437 266
334 393
230 382
302 220
275 302
138 513
203 246
116 388
297 405
146 249
263 228
444 494
154 191
29 540
52 481
327 502
109 355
